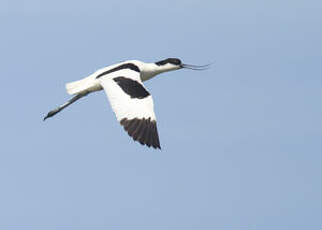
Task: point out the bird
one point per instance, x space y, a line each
129 99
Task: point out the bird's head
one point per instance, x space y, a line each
169 64
150 70
175 63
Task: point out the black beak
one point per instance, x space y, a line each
195 67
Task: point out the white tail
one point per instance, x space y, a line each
78 86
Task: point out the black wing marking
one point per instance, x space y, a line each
123 66
131 87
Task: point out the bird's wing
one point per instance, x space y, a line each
132 105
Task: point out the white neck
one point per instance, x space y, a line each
150 70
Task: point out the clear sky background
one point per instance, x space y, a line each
241 142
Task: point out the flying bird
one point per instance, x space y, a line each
130 101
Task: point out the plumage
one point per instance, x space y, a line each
130 101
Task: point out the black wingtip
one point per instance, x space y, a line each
142 130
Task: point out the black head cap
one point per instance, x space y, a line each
174 61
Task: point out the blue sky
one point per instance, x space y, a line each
241 142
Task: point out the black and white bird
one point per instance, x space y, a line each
130 101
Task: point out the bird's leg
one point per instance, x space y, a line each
63 106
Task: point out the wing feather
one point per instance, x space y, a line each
132 105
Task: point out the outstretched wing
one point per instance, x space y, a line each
132 105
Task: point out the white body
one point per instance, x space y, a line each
91 83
